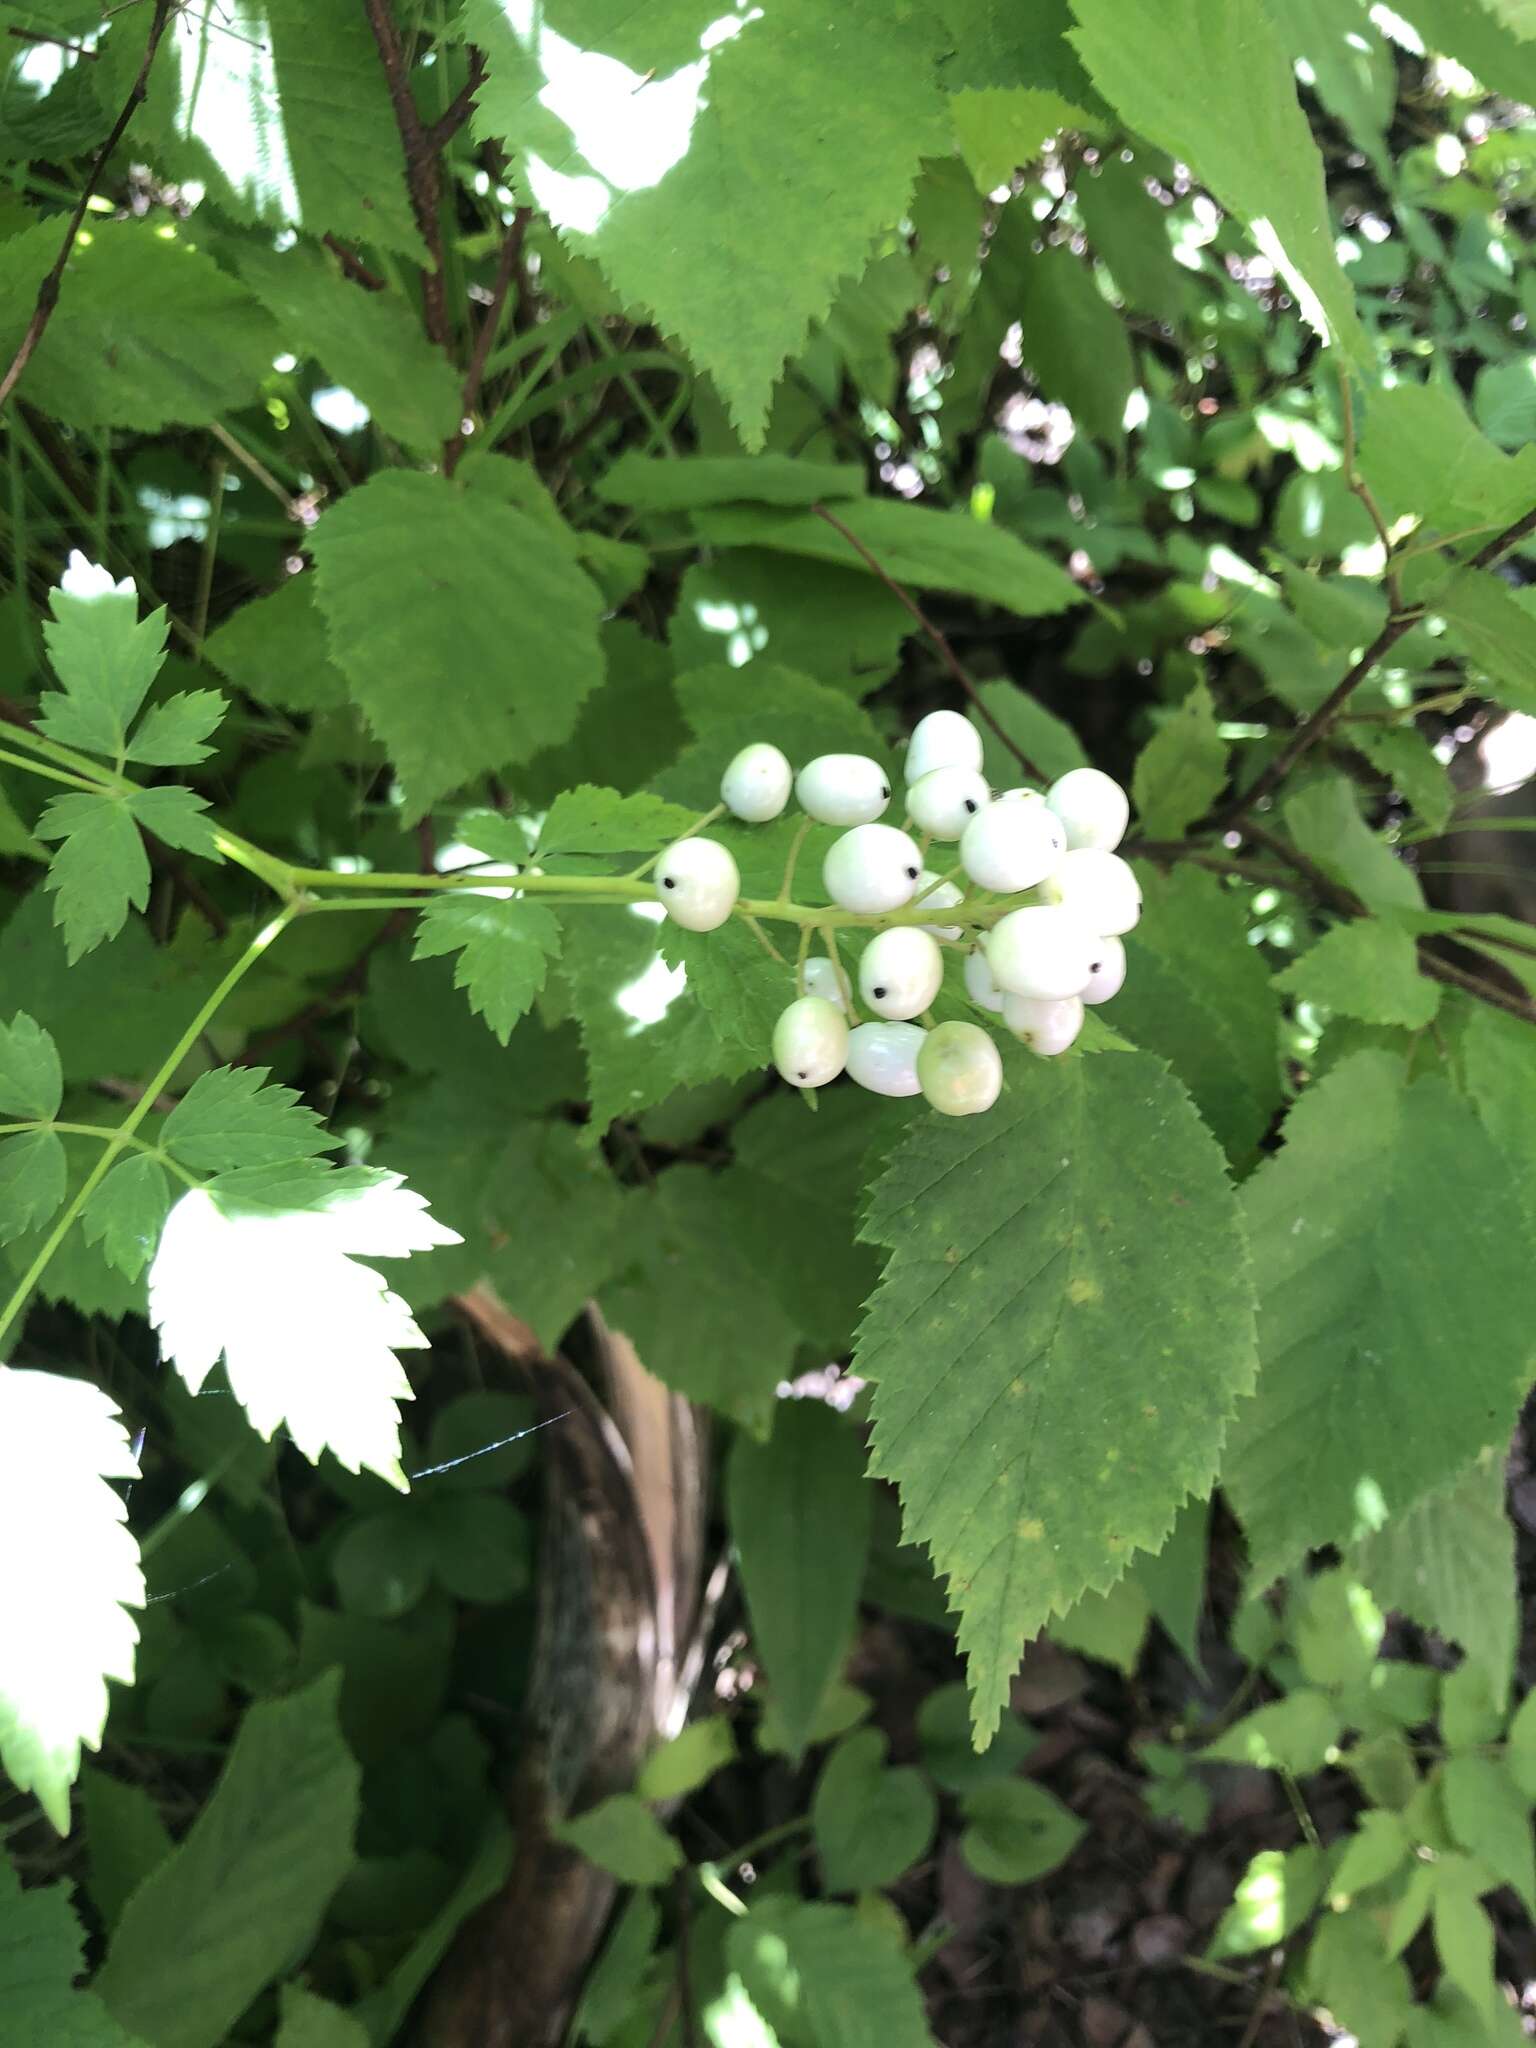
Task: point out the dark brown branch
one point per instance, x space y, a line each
452 119
31 35
1486 991
48 290
423 173
353 265
945 652
506 270
1319 722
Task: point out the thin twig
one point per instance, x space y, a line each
1501 543
945 652
257 469
452 119
506 270
1486 991
1362 491
422 171
354 266
48 290
31 35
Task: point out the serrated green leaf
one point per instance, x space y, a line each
370 342
691 1297
1182 769
233 1116
1048 740
1016 1831
1409 763
1197 994
591 820
149 331
1294 1734
42 1952
1260 161
622 1836
1074 342
687 225
125 1836
1380 1846
1128 231
1422 456
275 649
64 1629
871 1822
1487 1816
748 604
284 114
100 870
1325 822
799 1508
1109 1626
32 1181
652 485
914 544
999 128
838 1974
1173 1578
31 1082
490 657
1383 1371
1031 1398
1273 1898
1496 631
104 656
307 1336
244 1889
1367 969
178 816
1349 1971
1449 1564
504 949
171 735
1463 1931
688 1761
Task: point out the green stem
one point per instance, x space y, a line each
52 774
106 1133
123 1136
790 865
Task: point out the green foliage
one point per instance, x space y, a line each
432 448
1016 1286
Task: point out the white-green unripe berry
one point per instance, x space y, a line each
945 800
697 882
872 869
979 985
1100 890
1092 806
883 1057
821 978
810 1042
932 894
1108 976
843 789
1012 845
1041 950
960 1070
901 972
756 786
1046 1026
944 739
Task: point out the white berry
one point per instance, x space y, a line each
1041 950
1108 976
872 869
960 1069
1100 889
843 789
944 739
979 984
1047 1027
1092 806
822 979
945 800
810 1042
901 972
883 1057
1012 844
697 881
932 894
756 786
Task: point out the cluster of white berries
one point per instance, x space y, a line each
1038 965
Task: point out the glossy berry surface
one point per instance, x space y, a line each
1108 976
979 985
1041 950
1046 1025
960 1070
1012 845
821 978
756 786
1100 889
944 801
1092 807
872 869
883 1057
810 1042
944 739
901 972
843 789
697 884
